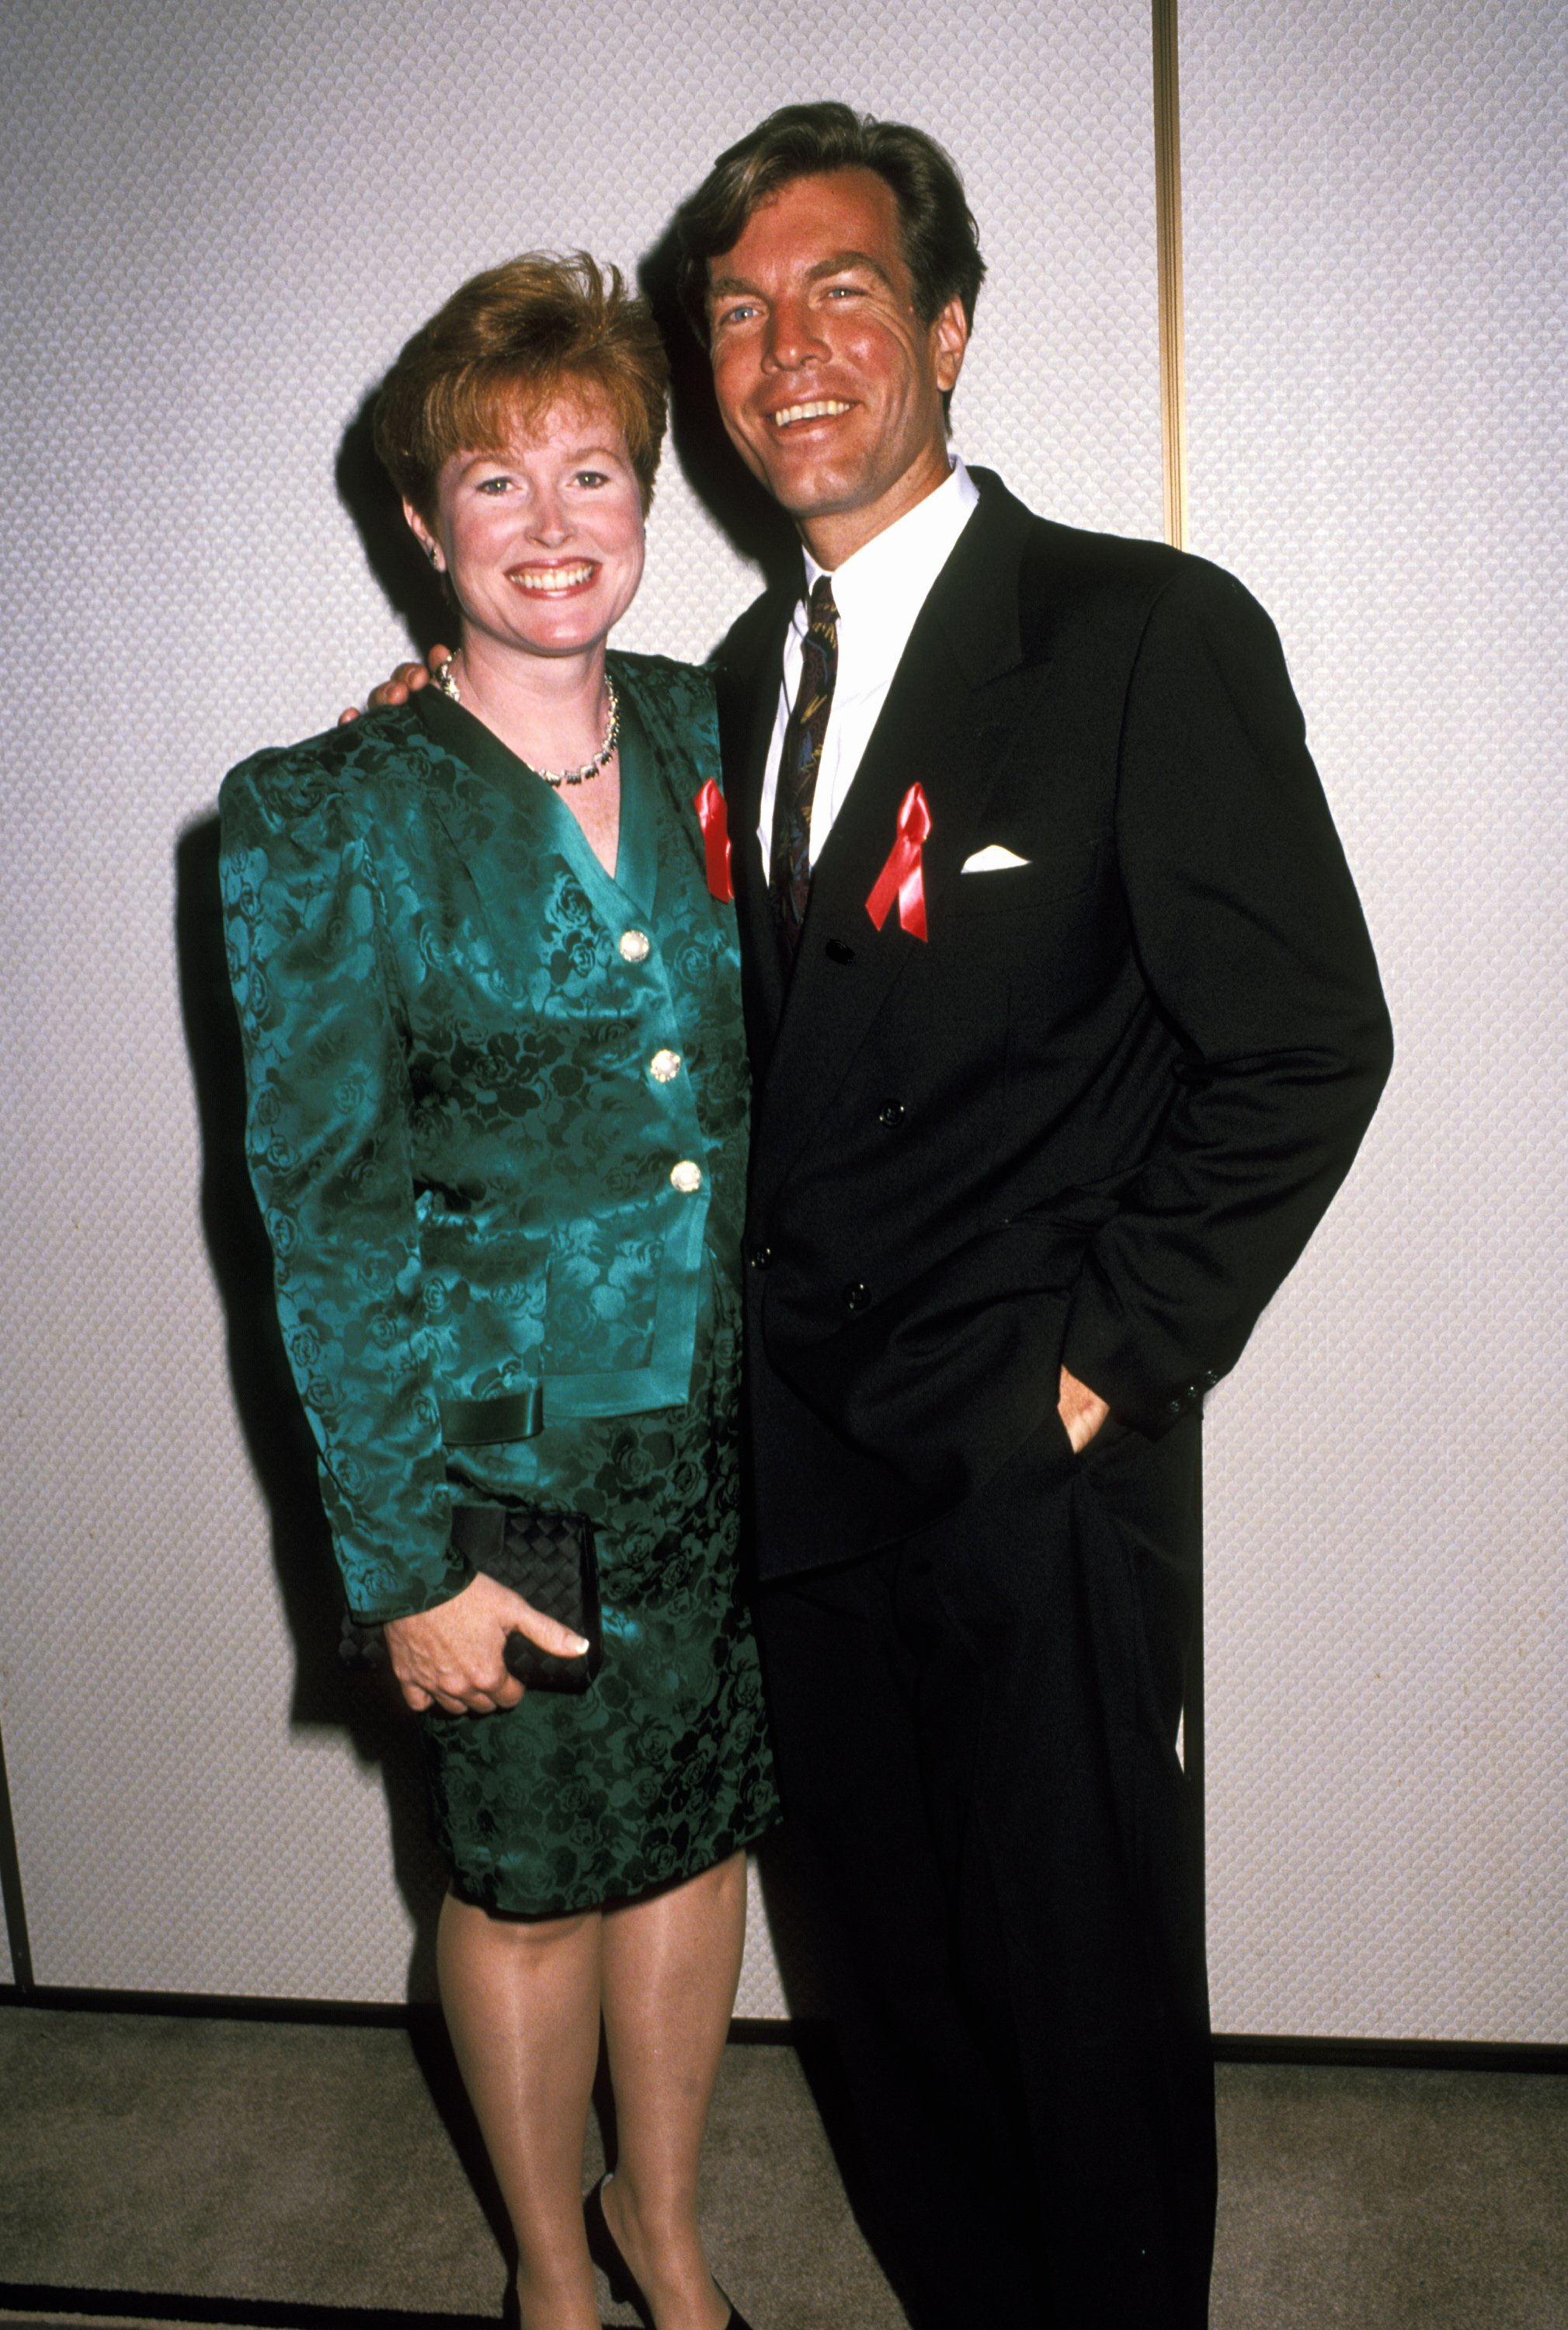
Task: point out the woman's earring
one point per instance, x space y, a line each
434 555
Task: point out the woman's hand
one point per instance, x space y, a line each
455 1654
405 681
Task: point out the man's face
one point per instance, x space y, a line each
829 384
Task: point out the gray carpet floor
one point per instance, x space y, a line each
258 2166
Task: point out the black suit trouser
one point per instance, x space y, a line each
976 1737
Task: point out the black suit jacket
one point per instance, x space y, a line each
1096 1115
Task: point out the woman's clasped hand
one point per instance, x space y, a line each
455 1655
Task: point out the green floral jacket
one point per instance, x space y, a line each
498 1100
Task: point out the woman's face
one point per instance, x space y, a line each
542 540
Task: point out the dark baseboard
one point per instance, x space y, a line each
12 1905
776 2029
759 2031
211 2006
45 2299
1393 2055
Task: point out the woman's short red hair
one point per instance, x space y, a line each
504 349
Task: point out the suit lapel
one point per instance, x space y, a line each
960 688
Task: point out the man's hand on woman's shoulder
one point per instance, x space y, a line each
405 681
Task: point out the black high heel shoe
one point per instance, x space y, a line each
605 2251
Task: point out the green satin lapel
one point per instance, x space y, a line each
549 822
637 852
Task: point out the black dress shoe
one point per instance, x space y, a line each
605 2251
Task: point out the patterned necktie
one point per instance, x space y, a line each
790 879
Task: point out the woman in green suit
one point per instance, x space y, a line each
497 1113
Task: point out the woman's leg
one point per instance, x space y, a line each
670 1967
521 2000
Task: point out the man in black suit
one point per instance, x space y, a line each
1066 1027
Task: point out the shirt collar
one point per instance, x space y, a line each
891 574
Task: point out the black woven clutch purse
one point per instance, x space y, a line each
550 1561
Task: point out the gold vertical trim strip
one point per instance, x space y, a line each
1168 202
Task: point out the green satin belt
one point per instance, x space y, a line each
510 1415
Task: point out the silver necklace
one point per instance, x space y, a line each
556 777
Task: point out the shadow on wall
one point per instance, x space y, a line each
410 585
363 1706
278 1440
744 513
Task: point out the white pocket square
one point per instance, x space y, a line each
991 860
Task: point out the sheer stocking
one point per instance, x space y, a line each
522 2001
671 1966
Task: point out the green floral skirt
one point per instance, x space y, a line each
662 1767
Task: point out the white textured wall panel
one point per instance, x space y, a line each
222 220
1375 240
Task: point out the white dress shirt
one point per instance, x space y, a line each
878 593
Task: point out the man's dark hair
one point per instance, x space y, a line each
939 243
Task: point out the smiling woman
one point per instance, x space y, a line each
498 1108
523 426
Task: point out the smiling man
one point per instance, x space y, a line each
830 381
1065 1028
